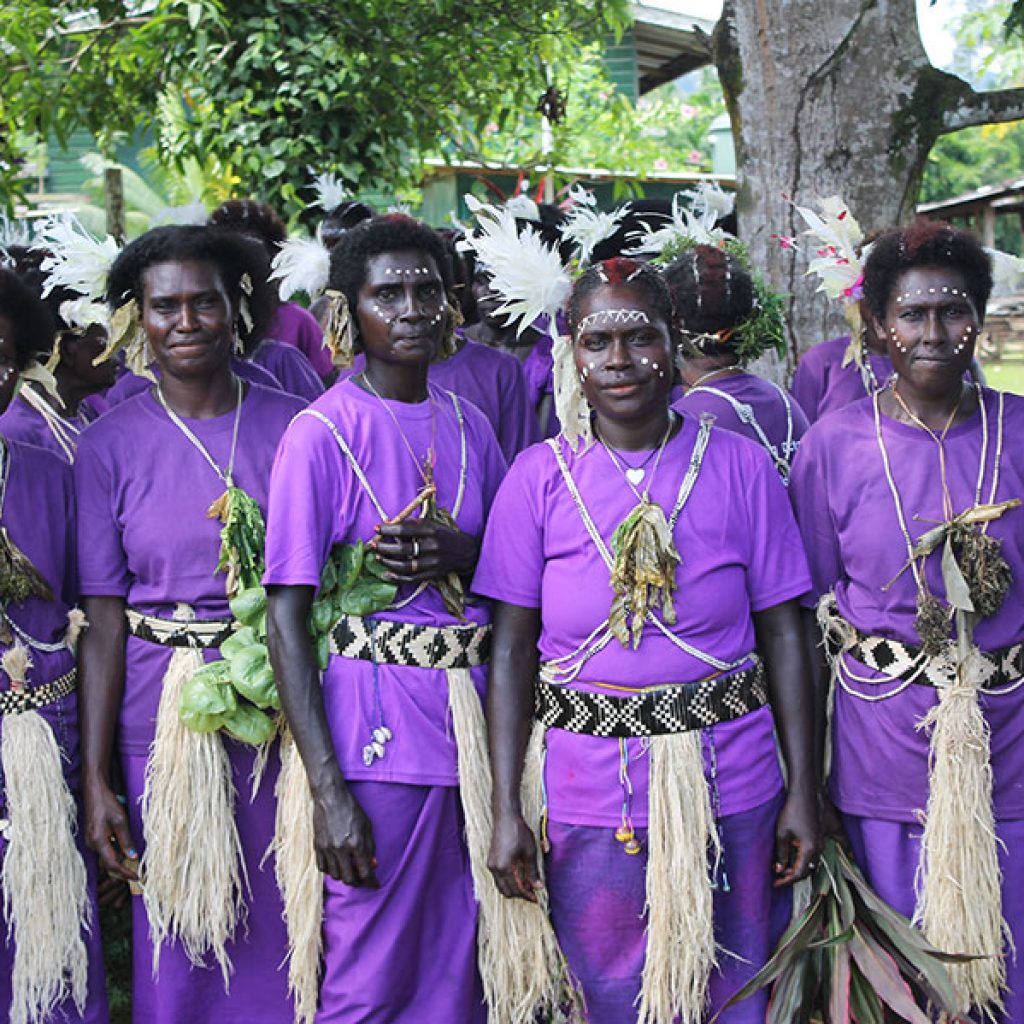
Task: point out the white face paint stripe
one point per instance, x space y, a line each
612 316
406 272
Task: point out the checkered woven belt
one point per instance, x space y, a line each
199 634
401 643
678 707
14 702
897 660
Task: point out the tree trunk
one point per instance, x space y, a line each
825 99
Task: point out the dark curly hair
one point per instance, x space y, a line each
622 270
251 217
30 320
234 256
342 218
711 289
925 243
392 232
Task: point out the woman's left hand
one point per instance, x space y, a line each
419 550
797 838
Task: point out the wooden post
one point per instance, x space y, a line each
988 226
113 194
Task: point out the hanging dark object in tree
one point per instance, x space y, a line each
552 105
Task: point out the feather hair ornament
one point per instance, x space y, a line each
330 192
526 272
75 259
586 226
301 265
81 314
522 207
690 224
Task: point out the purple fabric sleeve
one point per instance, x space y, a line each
290 368
297 326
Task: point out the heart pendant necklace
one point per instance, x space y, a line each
635 474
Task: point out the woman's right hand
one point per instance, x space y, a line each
108 833
343 837
513 858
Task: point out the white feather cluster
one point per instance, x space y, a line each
523 207
586 226
526 272
76 260
330 192
835 260
83 313
302 265
693 222
194 213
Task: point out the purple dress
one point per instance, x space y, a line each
741 553
38 512
143 490
20 422
406 953
297 326
821 382
290 368
778 418
130 384
854 544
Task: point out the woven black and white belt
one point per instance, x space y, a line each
14 702
401 643
199 634
895 659
675 707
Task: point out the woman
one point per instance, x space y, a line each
48 903
709 510
724 327
147 474
879 486
382 755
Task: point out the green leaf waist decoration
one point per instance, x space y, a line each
643 573
19 578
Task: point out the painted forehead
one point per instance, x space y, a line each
610 317
402 265
913 294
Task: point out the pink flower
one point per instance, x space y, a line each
661 164
491 127
687 111
786 241
695 156
602 95
856 290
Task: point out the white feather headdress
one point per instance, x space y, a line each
76 260
83 313
692 223
526 272
586 226
301 265
835 259
330 192
194 213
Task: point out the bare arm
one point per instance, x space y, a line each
780 639
342 832
513 854
101 689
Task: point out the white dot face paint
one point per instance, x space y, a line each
609 317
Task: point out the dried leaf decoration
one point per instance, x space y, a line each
849 958
338 332
127 334
643 574
19 578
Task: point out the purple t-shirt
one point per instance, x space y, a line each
143 533
130 384
20 422
854 544
316 501
780 418
493 381
821 382
290 368
297 326
741 553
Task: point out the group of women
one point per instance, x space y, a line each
637 605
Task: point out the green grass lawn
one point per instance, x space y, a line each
1005 376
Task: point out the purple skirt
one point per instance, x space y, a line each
887 853
405 953
63 718
183 993
597 897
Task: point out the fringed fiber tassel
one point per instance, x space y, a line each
838 634
192 870
522 968
77 625
43 877
680 928
959 902
300 880
570 404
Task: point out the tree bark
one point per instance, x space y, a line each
826 99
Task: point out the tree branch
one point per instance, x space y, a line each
975 108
